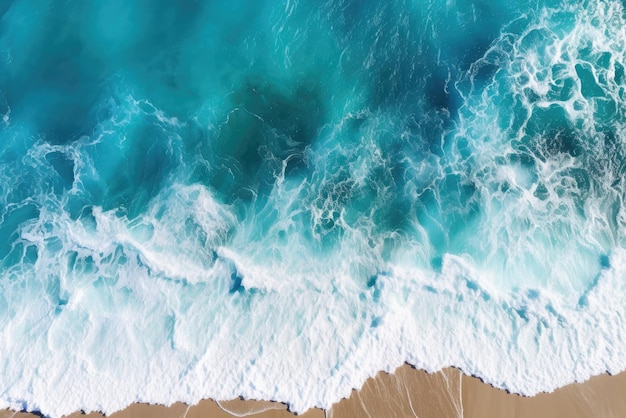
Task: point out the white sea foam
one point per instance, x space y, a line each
137 340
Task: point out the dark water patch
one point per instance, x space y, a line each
64 166
564 142
483 75
440 91
19 254
13 218
4 7
436 91
466 32
605 262
77 204
84 265
515 114
143 49
63 111
61 116
541 192
133 170
589 87
292 111
387 52
456 191
476 288
581 179
348 16
397 82
56 87
562 89
371 281
236 283
436 263
443 102
619 72
550 133
522 313
522 158
395 215
268 129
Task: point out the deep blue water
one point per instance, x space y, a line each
382 181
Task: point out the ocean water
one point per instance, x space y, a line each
277 199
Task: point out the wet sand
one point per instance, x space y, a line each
600 397
414 393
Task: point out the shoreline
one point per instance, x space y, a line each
409 392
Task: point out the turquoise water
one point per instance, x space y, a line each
200 192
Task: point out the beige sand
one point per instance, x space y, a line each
405 393
413 393
600 397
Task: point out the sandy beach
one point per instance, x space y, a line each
414 393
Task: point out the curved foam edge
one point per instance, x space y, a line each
574 344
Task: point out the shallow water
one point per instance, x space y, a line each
276 200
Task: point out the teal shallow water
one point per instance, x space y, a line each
186 190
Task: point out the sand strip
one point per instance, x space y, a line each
414 393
